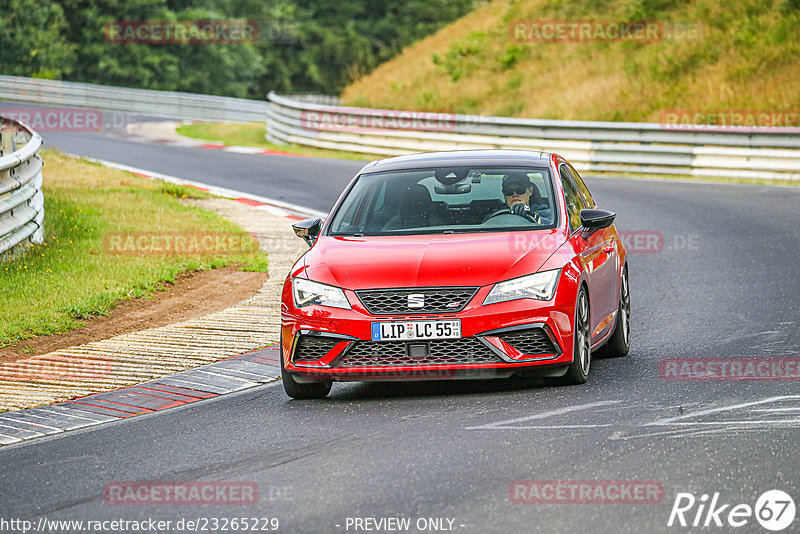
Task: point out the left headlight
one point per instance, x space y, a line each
539 286
307 293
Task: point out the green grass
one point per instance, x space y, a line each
182 191
252 134
49 288
740 55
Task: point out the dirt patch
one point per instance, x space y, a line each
193 294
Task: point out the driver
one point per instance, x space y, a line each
518 190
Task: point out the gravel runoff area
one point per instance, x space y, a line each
137 357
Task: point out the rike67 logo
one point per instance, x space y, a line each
774 510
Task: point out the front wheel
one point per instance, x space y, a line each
578 370
298 390
619 344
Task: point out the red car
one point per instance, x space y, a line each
464 264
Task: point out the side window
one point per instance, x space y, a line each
378 202
588 201
380 198
572 197
354 219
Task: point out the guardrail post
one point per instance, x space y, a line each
7 143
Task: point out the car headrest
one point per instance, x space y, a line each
416 205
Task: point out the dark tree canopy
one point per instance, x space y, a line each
301 46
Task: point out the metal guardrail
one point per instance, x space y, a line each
167 104
21 198
638 148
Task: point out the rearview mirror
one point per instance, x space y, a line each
596 219
307 230
455 189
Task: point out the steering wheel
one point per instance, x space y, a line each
505 210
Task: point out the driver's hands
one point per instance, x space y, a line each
520 209
524 210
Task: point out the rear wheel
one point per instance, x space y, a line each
620 341
298 390
578 370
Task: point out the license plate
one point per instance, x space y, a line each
410 330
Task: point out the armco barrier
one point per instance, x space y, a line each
21 198
639 148
167 104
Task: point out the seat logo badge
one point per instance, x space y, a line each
416 300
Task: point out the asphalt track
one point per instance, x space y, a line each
722 284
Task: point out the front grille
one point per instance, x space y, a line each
532 341
312 348
442 351
436 300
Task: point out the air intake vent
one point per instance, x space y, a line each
417 300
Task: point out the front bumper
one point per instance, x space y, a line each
498 340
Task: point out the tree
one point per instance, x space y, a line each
302 45
32 40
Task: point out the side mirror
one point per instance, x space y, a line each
596 219
308 230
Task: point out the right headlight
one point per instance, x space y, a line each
307 293
539 286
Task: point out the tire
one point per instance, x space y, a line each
578 370
297 390
619 344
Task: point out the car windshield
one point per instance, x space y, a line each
447 200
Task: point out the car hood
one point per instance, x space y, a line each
428 260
